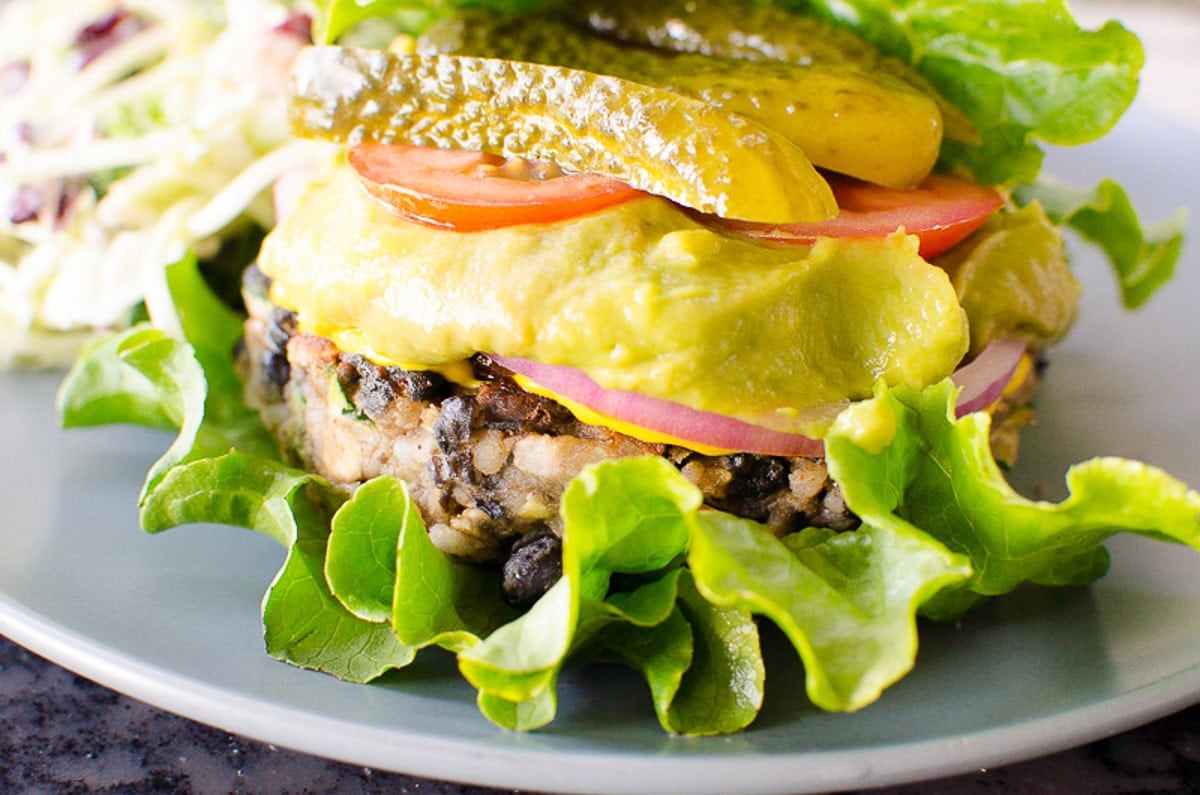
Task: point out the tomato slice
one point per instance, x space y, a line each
469 191
941 211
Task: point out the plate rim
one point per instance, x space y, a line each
510 766
507 765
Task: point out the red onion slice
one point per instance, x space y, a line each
663 416
984 379
982 382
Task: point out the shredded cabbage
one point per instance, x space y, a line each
130 134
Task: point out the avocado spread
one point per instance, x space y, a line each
1013 280
639 296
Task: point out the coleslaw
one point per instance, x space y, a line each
132 133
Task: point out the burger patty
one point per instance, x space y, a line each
485 464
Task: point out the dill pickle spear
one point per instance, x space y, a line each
845 118
743 30
664 143
754 31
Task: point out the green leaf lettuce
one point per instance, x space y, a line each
937 474
651 578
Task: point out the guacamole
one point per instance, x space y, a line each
640 296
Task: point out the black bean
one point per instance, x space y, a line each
378 387
375 395
421 385
452 434
532 567
281 327
833 511
755 476
493 508
275 367
505 406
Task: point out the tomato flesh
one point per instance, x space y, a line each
941 211
470 191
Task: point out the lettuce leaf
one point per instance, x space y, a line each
305 625
383 567
223 467
143 376
703 664
936 474
99 390
1025 73
847 601
650 579
620 518
1144 259
1022 70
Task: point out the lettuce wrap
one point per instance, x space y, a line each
650 578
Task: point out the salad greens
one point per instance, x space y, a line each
1144 258
649 578
1071 86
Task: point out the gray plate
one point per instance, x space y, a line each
173 619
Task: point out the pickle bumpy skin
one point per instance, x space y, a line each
664 143
846 116
754 31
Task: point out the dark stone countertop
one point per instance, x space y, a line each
62 733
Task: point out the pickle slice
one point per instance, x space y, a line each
658 141
744 30
845 118
754 32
